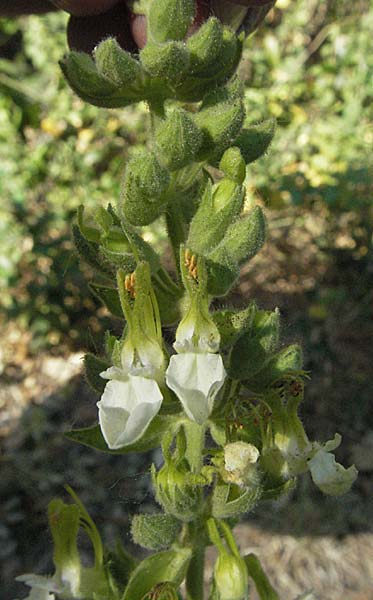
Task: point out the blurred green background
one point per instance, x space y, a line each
311 67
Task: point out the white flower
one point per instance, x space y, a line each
329 476
196 379
127 406
197 332
145 358
42 588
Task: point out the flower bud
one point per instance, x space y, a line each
177 140
230 577
115 64
174 493
254 141
143 197
220 122
155 532
233 165
169 61
244 238
81 73
242 241
204 47
170 19
220 205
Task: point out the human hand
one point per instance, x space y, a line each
94 20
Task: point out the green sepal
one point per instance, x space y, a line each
80 70
220 119
64 523
176 495
91 234
220 205
262 583
221 276
230 500
89 251
109 297
120 565
218 433
232 324
168 61
115 64
143 195
177 140
143 251
252 350
254 141
84 79
276 491
119 260
196 86
93 366
155 532
288 361
152 438
243 240
233 165
170 19
168 300
205 46
170 565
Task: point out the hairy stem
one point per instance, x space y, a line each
194 579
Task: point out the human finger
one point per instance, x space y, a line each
85 7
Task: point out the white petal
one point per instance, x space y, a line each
331 477
196 379
114 373
41 586
126 409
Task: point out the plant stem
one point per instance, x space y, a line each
194 579
175 230
195 442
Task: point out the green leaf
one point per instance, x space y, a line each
262 584
120 564
92 436
233 324
93 367
170 565
288 361
89 251
255 347
109 297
